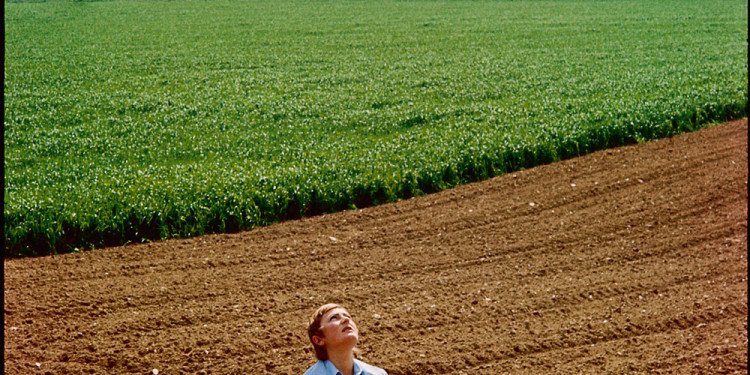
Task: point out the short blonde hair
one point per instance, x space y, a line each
313 329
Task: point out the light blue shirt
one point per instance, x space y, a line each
328 368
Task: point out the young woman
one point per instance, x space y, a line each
334 336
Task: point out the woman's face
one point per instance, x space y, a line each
338 329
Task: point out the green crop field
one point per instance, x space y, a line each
128 121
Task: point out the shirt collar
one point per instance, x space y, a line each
333 370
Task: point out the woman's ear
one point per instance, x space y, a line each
317 340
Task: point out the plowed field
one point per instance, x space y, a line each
630 260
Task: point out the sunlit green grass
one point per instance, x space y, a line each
134 120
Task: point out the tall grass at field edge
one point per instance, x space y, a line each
53 230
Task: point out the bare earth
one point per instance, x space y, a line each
631 260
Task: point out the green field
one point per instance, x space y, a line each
128 121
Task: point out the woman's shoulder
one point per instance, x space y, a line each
318 368
370 369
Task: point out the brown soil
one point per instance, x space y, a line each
630 260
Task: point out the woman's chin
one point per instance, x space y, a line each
351 338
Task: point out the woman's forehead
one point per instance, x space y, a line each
337 310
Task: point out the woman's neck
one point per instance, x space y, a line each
343 360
